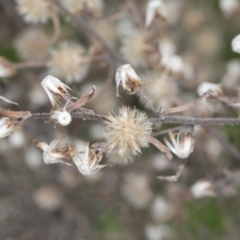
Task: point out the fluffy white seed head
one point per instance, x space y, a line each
134 48
32 44
37 11
127 132
69 61
95 7
160 88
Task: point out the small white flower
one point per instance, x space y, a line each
236 44
62 117
55 89
182 144
155 8
5 70
8 126
205 86
53 153
129 79
86 162
202 188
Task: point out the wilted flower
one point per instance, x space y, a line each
155 8
182 143
69 61
95 7
127 132
8 126
236 44
205 86
128 78
86 162
55 89
53 153
202 188
5 70
62 117
157 232
34 11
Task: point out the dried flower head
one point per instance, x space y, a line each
8 126
127 132
135 47
205 86
236 44
160 88
155 8
128 78
86 162
5 69
69 61
95 7
182 143
55 89
32 44
53 153
34 11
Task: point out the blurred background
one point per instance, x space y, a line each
48 202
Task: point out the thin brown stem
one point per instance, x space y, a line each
31 64
196 121
56 26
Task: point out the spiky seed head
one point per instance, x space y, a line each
126 132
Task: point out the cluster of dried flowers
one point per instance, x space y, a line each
145 47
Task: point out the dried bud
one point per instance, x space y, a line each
86 162
129 79
155 8
53 153
5 69
173 64
62 117
206 86
182 143
55 89
8 126
203 188
236 44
